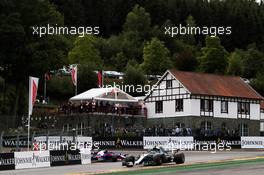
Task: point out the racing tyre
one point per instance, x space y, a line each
179 158
157 160
114 159
129 161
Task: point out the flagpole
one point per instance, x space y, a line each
29 95
28 131
45 88
76 74
76 88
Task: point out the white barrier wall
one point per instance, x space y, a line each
32 159
182 143
86 156
55 144
252 142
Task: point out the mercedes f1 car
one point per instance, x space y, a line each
107 156
155 156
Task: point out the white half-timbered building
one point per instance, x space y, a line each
262 118
205 101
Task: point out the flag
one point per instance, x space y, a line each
100 78
33 88
74 75
47 76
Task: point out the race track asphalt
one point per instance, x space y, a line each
192 157
247 166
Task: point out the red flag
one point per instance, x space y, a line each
47 76
33 88
74 75
100 79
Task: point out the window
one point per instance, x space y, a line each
169 84
262 126
243 108
206 125
224 107
206 105
159 106
178 105
244 130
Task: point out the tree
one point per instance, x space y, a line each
253 62
156 57
84 51
134 77
138 20
22 53
258 83
60 88
185 61
235 62
87 78
136 30
120 61
214 56
189 38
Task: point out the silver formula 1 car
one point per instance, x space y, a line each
155 156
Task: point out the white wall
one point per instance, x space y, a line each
262 115
254 112
232 110
191 107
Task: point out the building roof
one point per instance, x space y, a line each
104 94
215 85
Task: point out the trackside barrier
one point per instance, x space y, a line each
39 159
7 161
168 142
252 142
32 159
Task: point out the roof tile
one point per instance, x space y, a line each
215 85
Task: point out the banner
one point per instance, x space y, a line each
11 142
32 159
86 156
7 161
232 141
118 142
63 157
168 142
252 142
33 88
57 142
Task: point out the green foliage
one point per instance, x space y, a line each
60 87
189 39
23 54
134 76
214 56
126 32
85 52
87 78
138 20
136 30
185 61
156 57
120 61
235 62
253 62
258 83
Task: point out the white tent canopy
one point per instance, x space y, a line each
104 94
